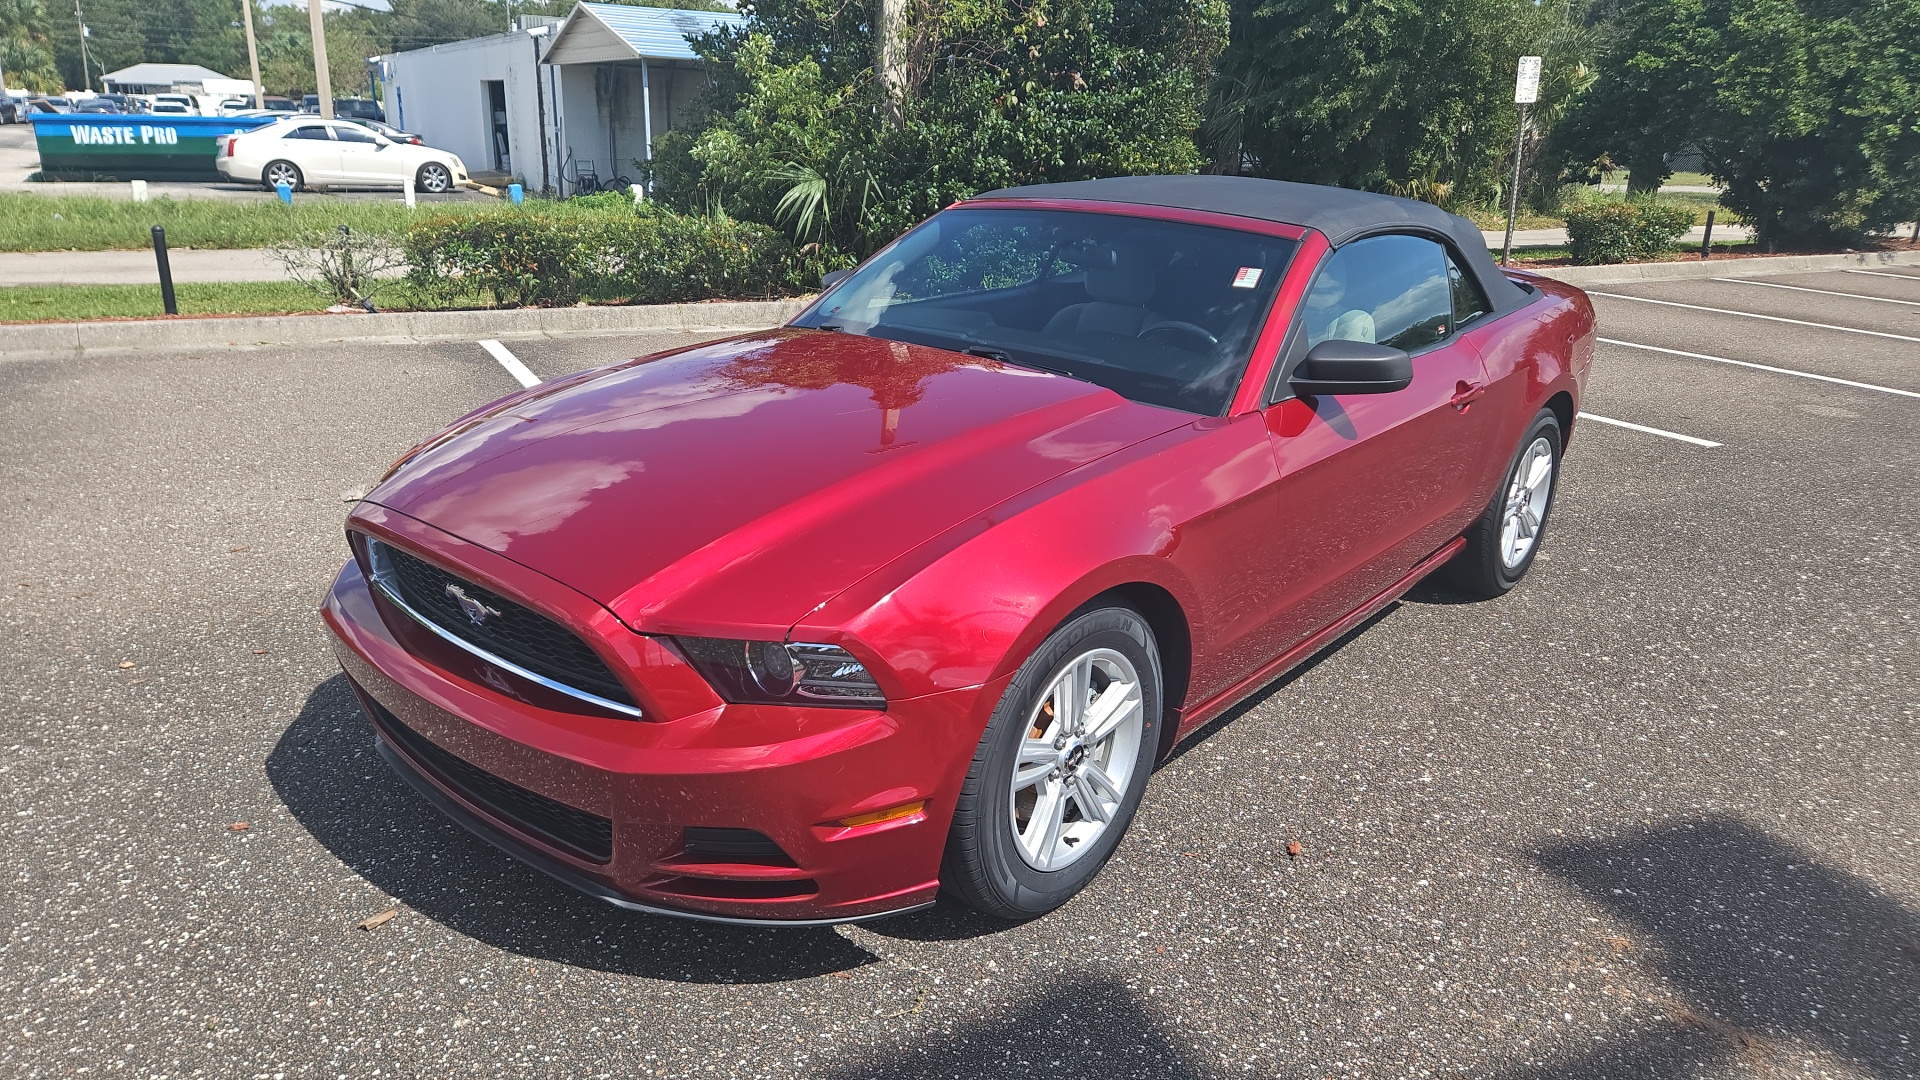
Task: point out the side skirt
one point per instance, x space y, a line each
1197 717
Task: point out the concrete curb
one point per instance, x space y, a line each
1756 267
70 340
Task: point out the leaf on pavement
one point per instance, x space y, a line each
240 826
372 921
1293 849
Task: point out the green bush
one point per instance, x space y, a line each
1623 231
607 252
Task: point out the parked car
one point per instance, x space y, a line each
98 105
307 151
174 105
10 110
913 593
358 109
388 130
46 105
345 108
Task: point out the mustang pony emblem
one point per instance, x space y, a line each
476 611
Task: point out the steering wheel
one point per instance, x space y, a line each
1177 326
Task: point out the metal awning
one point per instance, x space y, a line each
609 33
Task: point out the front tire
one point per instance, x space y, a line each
1061 768
433 178
1502 542
278 171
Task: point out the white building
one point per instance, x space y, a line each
555 105
168 79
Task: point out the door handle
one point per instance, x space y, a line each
1466 393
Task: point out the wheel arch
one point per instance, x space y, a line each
1172 633
1561 405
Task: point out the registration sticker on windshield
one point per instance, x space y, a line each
1247 278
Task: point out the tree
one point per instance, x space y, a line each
989 93
1808 111
26 56
1388 95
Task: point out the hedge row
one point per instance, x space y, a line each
609 254
1615 232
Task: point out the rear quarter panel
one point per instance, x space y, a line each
1529 356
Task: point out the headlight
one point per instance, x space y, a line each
783 673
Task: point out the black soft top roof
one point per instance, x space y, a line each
1340 214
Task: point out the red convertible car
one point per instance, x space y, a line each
912 593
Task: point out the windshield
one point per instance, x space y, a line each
1161 312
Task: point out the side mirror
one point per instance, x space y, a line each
832 278
1352 367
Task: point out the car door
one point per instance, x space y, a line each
1370 484
363 158
311 147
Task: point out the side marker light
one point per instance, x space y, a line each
893 814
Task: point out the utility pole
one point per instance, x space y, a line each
86 74
253 55
323 79
1526 91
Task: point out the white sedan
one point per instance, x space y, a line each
307 151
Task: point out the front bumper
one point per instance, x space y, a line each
508 770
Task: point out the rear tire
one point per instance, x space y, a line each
433 178
1502 542
1061 768
277 171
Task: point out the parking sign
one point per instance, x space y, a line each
1526 87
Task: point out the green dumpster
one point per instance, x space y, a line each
105 146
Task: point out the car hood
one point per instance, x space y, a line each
733 487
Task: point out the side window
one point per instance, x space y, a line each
1468 304
352 133
311 131
1389 290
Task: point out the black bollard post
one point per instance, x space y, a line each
1706 241
166 270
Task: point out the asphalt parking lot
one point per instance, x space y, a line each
1655 813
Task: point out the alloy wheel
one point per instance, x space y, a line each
282 173
1076 759
1526 508
435 178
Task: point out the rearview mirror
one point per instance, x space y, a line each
831 278
1336 366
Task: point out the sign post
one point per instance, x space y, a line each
1526 91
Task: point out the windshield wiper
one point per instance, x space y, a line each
987 352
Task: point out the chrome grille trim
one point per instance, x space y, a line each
381 575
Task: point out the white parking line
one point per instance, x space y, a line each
1648 430
1758 367
511 362
1752 315
1823 292
1883 273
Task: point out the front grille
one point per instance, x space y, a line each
588 836
509 631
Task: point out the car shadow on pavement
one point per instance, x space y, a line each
326 771
1768 948
1088 1026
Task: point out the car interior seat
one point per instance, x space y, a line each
1119 283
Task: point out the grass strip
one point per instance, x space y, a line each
34 222
73 303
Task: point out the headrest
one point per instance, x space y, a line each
1119 275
